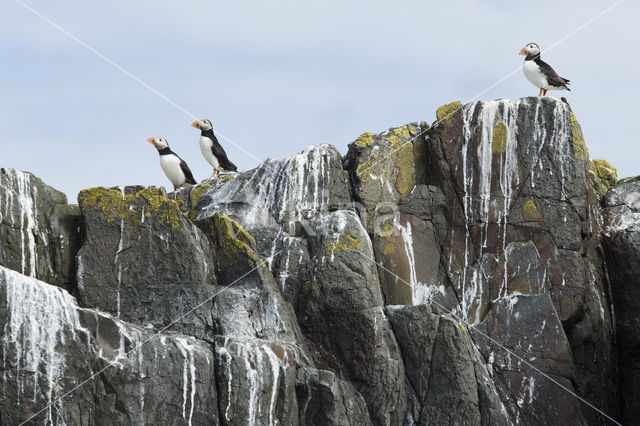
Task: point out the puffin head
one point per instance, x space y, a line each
530 49
202 124
159 143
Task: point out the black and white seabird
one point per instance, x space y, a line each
173 166
539 73
211 148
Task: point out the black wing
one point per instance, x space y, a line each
187 173
218 151
552 77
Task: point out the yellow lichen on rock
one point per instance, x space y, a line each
445 112
403 157
400 153
605 170
338 245
400 136
364 140
403 132
235 241
226 177
530 212
196 194
385 230
577 139
113 204
500 136
603 176
364 169
159 204
405 162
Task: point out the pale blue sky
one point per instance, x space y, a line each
277 76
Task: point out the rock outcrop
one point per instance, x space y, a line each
622 242
481 270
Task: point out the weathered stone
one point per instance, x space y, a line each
445 369
140 255
341 312
38 229
382 168
448 274
327 400
622 243
282 191
603 176
66 365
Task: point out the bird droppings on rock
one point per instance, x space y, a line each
437 243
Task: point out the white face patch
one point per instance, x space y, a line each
206 125
161 143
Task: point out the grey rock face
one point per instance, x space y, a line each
622 240
452 274
140 255
50 346
314 244
326 400
38 235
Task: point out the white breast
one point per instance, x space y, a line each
171 166
205 148
534 75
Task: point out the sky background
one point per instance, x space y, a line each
275 77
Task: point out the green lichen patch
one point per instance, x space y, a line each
234 241
577 139
385 230
402 165
405 162
400 136
114 205
389 249
500 135
403 132
339 245
605 170
196 194
226 177
364 169
530 212
364 140
603 176
446 112
159 204
111 202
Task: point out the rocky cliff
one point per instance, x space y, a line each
481 270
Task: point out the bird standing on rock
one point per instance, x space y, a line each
539 73
211 148
173 166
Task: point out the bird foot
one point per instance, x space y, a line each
540 94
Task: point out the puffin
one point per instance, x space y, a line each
211 148
539 73
173 166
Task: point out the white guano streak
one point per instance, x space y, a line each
40 316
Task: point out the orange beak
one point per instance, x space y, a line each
151 141
195 124
523 52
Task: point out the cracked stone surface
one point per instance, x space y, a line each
432 275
